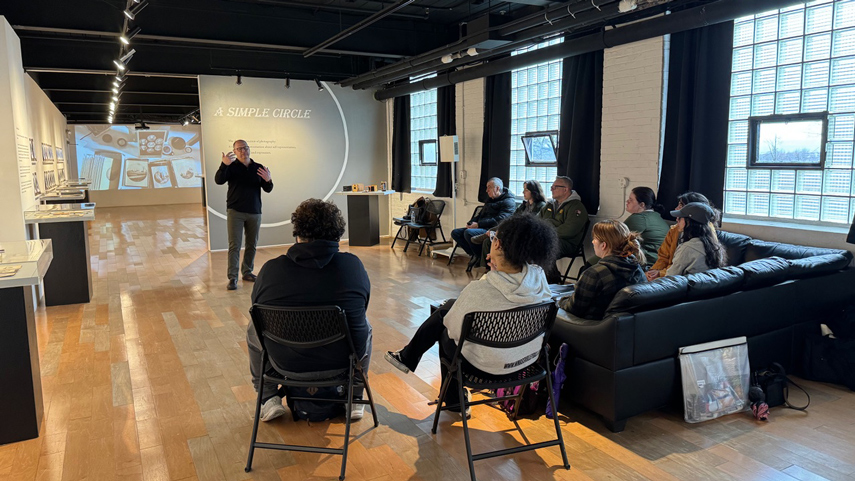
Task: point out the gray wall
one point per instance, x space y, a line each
300 135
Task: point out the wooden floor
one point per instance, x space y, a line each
150 381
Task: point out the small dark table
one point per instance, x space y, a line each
363 217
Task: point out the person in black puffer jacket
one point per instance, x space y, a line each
619 266
499 206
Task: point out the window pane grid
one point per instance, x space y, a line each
796 60
535 107
422 127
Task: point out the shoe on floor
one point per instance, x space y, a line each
394 358
249 277
357 412
468 408
232 284
272 409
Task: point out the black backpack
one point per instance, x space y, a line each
315 411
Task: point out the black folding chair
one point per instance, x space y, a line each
306 328
579 254
475 214
434 208
403 222
502 329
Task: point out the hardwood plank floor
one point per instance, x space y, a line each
150 381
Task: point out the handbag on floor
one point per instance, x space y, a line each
716 378
774 382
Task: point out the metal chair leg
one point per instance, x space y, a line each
347 420
463 405
370 398
248 467
555 414
442 392
397 236
451 257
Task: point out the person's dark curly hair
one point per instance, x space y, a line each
315 219
526 239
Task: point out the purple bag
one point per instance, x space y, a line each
558 377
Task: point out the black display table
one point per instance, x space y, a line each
69 281
363 217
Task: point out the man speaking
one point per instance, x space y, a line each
246 178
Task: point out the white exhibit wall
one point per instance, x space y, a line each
313 142
16 189
48 133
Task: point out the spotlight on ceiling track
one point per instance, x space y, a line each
287 82
132 12
115 98
320 87
121 76
126 38
121 63
185 122
239 80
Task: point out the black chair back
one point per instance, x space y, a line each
510 328
300 327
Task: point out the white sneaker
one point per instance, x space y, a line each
468 396
357 412
272 409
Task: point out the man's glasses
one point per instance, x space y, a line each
558 187
242 149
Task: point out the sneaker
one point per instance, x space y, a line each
272 409
394 358
468 408
357 412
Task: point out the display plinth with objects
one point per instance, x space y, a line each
22 266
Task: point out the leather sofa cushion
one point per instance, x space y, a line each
764 272
714 283
817 265
759 249
734 246
647 295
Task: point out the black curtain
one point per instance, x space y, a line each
401 168
695 149
496 145
446 124
581 125
851 237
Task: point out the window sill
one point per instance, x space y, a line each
831 228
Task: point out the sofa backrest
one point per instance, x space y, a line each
760 249
734 246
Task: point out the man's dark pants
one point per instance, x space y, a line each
463 237
239 222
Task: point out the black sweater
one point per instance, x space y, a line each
245 186
317 274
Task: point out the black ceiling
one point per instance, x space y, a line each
69 46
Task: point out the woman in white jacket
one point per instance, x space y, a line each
520 246
699 249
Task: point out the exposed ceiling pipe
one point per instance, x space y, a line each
314 6
710 14
111 73
359 26
201 41
586 18
412 63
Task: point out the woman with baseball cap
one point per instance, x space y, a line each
699 249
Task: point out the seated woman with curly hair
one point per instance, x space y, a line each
312 273
620 264
516 280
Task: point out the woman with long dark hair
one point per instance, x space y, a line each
620 264
672 239
645 219
699 249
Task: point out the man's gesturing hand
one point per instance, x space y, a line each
264 173
229 158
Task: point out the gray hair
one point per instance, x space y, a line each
497 182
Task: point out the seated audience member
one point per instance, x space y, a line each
312 273
645 220
699 249
498 207
620 264
533 202
516 280
669 245
568 215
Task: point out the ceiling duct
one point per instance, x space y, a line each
483 32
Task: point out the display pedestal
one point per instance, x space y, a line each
69 280
21 406
363 217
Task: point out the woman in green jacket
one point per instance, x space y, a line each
646 221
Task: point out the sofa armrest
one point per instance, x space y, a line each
607 343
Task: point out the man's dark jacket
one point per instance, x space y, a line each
317 274
496 210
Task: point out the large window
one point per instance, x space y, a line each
422 128
791 61
535 108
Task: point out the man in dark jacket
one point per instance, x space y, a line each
246 179
499 206
313 273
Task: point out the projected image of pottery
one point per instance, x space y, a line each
151 142
136 173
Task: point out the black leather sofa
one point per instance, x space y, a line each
774 294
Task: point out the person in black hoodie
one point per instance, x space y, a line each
620 264
500 205
313 273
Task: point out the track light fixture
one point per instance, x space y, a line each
132 12
239 81
287 82
125 38
115 98
185 122
320 87
121 63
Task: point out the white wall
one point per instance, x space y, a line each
47 126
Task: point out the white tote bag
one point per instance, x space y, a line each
716 378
